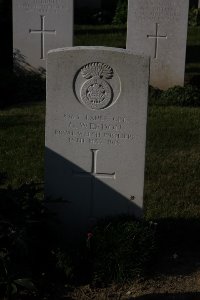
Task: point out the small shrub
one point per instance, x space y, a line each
20 215
194 17
120 16
181 96
121 249
63 262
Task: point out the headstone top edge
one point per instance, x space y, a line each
100 48
72 1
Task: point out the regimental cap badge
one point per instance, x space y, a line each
96 92
97 70
95 81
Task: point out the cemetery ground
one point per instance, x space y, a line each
167 243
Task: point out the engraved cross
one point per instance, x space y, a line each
42 32
156 37
93 175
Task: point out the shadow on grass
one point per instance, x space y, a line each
178 246
29 83
191 78
192 54
169 296
24 84
3 177
7 122
195 80
193 69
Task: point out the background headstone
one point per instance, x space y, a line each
39 26
95 133
158 28
199 4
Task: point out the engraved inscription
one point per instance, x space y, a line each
156 12
93 175
94 86
42 6
42 33
156 37
95 130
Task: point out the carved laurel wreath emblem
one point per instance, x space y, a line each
96 92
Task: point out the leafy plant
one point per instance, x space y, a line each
64 262
194 17
120 16
181 96
20 212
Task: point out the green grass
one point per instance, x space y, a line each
193 52
100 35
22 144
172 184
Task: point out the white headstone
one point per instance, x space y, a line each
158 28
95 133
39 26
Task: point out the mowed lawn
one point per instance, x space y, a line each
172 175
22 144
172 180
